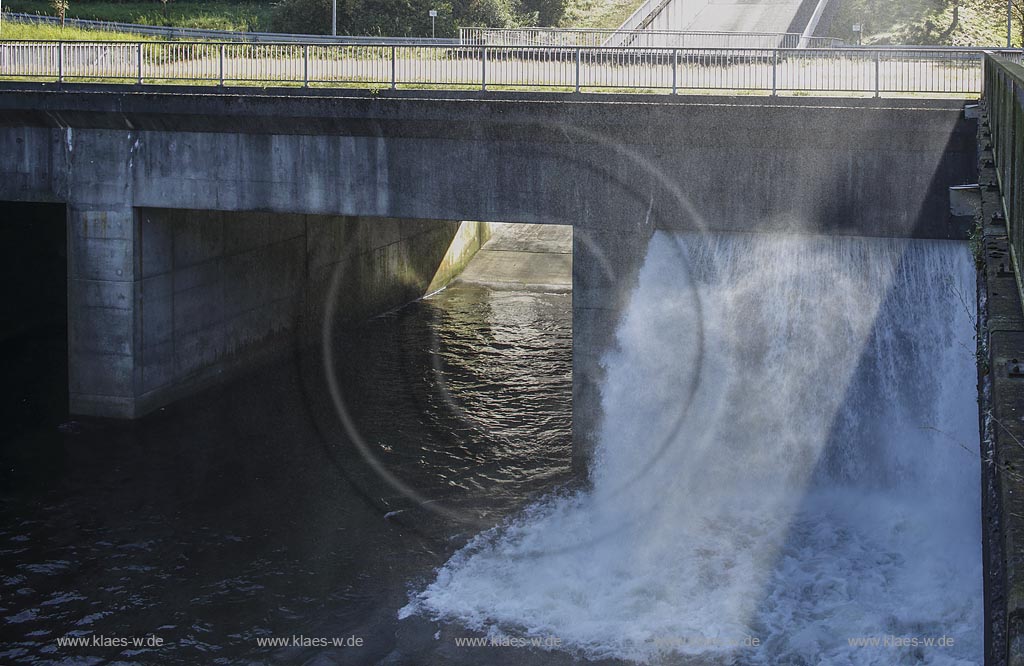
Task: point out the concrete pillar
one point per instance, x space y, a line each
102 292
605 265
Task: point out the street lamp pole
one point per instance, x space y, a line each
334 18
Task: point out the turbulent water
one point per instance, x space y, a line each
244 513
787 467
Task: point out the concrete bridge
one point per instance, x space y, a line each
204 225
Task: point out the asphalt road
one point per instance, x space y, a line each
745 16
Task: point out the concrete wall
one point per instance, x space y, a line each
615 167
180 298
1001 398
844 166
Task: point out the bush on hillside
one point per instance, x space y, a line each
408 18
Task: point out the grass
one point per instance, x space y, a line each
212 15
982 22
600 14
12 30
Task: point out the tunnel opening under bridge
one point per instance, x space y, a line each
34 322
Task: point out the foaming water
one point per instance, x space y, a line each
787 465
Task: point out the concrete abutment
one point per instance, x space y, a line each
164 302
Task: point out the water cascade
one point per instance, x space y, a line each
787 468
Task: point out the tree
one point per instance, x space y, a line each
61 8
548 12
1017 14
395 18
952 25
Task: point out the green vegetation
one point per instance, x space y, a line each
60 8
206 15
55 32
400 18
396 18
931 22
946 22
600 14
976 242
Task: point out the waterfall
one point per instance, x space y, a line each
787 467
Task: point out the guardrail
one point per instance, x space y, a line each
640 38
1004 95
872 71
169 32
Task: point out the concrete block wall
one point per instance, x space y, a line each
164 302
216 291
382 263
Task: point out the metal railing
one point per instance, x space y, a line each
1004 95
170 32
640 38
871 71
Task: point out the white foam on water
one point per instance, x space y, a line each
788 454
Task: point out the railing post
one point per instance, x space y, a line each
675 67
138 58
578 56
60 62
221 58
305 65
775 72
483 69
878 73
394 73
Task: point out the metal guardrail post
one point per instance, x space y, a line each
775 72
578 55
483 69
878 73
60 62
221 65
138 58
394 72
305 65
675 68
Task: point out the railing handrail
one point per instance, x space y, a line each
384 63
389 41
611 30
1007 152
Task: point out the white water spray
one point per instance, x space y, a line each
819 489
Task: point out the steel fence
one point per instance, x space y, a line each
854 70
1004 95
585 37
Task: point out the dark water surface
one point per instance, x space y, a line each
246 512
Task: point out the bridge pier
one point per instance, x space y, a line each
103 320
605 265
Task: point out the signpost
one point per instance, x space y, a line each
433 17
